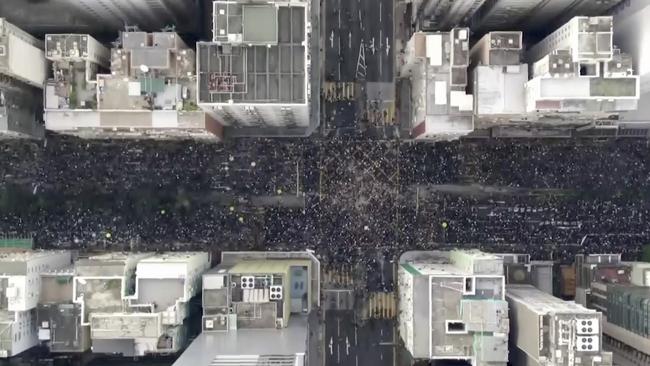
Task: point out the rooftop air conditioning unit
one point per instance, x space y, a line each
276 293
247 282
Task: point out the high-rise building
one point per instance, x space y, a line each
578 76
534 15
545 330
435 64
498 79
518 269
150 90
609 285
255 310
452 307
148 15
255 77
443 15
20 286
22 75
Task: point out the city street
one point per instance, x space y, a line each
349 24
348 343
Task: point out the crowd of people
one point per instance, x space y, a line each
355 196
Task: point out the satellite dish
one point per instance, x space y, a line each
144 68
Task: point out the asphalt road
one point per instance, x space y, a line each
376 343
350 344
341 338
350 23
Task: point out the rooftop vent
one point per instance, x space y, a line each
276 293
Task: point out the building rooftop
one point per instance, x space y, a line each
14 263
16 46
436 64
456 262
21 256
132 303
144 87
259 55
260 345
73 47
255 307
172 257
542 302
449 300
106 265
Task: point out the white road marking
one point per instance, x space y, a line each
360 20
332 39
338 353
350 39
339 10
347 346
338 61
387 50
331 346
380 12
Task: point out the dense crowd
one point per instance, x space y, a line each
355 196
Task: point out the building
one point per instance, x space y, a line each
592 268
435 64
59 317
498 80
255 310
546 330
604 283
579 77
41 17
534 15
130 304
255 77
631 32
149 15
20 286
149 91
22 75
639 273
518 269
452 307
443 15
71 92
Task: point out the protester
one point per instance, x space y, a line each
386 197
